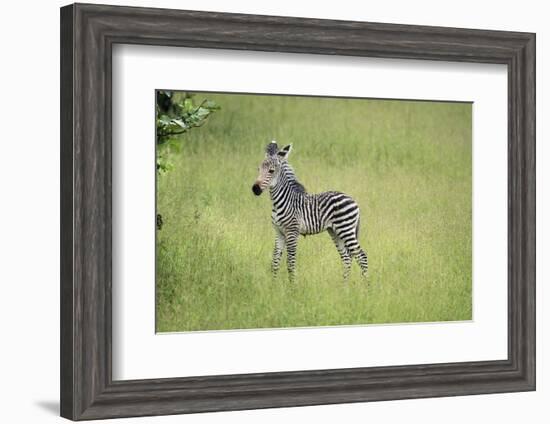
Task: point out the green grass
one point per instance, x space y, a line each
408 165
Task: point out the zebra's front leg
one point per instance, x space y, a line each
291 243
277 252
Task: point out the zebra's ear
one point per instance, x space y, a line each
271 148
285 151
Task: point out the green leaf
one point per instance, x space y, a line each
180 123
177 113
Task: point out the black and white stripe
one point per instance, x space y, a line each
296 212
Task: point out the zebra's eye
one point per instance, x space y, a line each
271 171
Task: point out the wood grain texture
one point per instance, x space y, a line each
66 214
88 33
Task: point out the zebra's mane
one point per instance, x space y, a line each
292 179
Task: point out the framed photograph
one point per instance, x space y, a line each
263 211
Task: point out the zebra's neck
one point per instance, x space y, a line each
287 184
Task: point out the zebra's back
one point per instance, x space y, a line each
330 209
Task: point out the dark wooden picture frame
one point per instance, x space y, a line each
88 33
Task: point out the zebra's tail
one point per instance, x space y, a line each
358 226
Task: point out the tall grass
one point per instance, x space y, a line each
408 165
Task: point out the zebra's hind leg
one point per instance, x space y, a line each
362 259
344 254
355 250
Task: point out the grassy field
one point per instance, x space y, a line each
407 164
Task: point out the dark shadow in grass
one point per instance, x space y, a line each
51 406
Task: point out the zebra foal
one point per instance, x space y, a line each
296 212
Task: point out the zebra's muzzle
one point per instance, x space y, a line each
256 189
